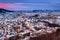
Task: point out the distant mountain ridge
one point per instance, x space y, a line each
6 10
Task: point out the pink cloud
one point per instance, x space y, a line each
18 6
3 5
7 5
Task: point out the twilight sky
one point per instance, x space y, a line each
30 4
